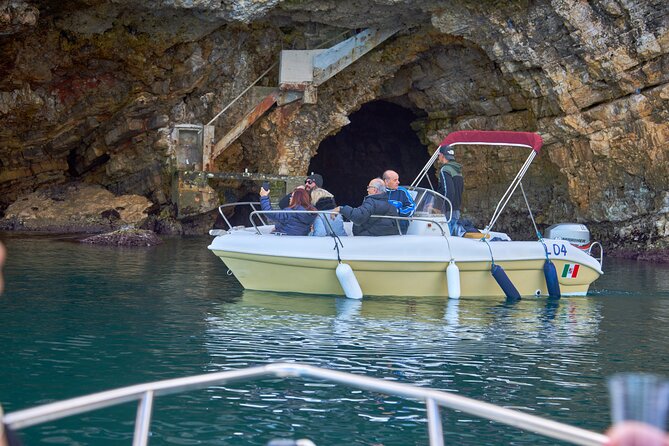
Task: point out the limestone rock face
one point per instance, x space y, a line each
90 90
125 237
75 208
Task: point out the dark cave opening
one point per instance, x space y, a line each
379 137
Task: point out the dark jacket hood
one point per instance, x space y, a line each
325 204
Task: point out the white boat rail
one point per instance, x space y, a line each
294 211
433 399
251 204
601 252
422 195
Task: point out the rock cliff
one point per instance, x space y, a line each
90 90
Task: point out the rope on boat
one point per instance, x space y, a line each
536 230
338 242
509 192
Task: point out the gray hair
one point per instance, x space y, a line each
379 185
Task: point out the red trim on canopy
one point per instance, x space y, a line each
498 138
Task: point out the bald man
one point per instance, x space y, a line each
399 197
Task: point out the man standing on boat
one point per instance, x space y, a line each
375 203
313 181
451 183
399 197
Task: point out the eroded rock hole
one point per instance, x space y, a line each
378 138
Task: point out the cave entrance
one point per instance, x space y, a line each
379 137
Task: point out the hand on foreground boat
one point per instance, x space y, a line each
263 192
634 433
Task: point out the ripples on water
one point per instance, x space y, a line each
79 319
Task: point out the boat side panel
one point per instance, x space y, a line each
402 248
311 276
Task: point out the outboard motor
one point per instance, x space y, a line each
576 234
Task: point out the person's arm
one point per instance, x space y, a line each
360 214
265 205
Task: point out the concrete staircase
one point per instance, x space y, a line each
300 73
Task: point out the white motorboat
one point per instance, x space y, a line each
427 260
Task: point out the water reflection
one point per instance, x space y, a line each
571 319
451 315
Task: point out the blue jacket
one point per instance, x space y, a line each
286 222
401 199
322 229
376 204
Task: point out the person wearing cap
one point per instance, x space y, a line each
451 183
313 181
399 197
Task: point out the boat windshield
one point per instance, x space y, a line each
429 203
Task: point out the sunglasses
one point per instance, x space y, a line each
309 182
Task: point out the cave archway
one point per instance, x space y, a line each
379 137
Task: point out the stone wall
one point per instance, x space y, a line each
90 90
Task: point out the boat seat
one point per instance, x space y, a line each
475 235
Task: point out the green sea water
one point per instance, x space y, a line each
77 319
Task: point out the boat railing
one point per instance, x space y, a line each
251 204
601 252
260 213
396 218
434 400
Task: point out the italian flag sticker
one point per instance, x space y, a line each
570 271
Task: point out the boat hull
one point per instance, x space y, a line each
417 269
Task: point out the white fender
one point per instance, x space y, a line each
453 280
348 281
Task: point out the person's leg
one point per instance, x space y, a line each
453 224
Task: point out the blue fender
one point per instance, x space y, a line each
504 283
551 279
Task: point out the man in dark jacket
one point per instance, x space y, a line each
313 181
451 183
375 203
